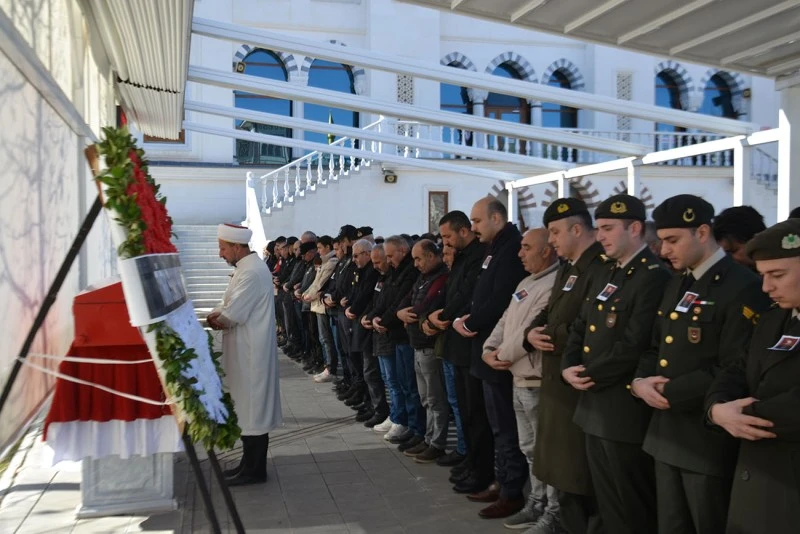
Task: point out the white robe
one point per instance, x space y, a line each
249 347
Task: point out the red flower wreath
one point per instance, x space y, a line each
158 225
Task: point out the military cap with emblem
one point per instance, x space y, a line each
364 231
621 207
562 208
779 241
348 231
683 211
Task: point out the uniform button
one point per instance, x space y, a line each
745 475
592 328
673 316
613 308
694 317
627 386
586 348
663 363
668 340
644 260
599 307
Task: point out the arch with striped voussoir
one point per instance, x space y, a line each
288 60
582 186
736 84
458 60
359 74
682 79
569 69
643 194
525 197
521 65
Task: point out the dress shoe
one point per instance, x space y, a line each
230 473
419 448
470 485
451 459
490 494
365 416
410 443
502 508
460 467
429 455
353 401
460 477
244 480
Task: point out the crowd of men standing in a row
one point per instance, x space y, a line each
622 366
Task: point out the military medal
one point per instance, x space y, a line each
606 293
521 295
694 334
570 283
786 343
486 262
687 300
611 320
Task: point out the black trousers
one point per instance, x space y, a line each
312 329
579 513
624 482
475 423
375 386
294 331
511 466
691 503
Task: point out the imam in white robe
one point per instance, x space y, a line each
249 347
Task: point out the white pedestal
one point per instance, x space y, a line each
140 484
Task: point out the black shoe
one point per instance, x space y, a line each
470 485
245 480
460 467
354 400
376 419
230 473
365 416
460 477
451 459
413 442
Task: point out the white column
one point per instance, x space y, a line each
534 147
741 173
788 151
298 78
478 97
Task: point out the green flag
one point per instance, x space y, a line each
331 137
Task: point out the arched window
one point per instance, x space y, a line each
717 100
668 95
266 64
507 108
455 99
556 115
333 77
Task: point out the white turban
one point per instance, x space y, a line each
234 234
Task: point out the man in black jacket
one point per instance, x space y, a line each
477 469
501 272
384 320
312 359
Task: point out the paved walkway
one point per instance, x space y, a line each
327 474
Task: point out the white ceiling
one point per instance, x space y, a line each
756 36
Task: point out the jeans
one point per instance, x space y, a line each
452 399
407 377
397 403
526 407
326 340
511 468
432 394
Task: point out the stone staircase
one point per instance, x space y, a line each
206 274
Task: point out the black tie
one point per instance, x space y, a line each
686 282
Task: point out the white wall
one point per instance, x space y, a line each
45 190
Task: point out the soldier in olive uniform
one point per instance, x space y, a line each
560 450
608 338
704 322
758 399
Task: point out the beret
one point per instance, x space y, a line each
562 208
779 241
621 207
683 211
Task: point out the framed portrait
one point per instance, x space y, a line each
437 208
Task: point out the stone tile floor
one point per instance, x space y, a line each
327 474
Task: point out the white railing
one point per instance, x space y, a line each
315 170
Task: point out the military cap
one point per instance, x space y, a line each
348 231
621 207
779 241
307 247
364 231
683 211
562 208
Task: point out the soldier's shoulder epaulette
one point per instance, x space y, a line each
653 266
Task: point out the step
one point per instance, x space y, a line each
206 303
207 295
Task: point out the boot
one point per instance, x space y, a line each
254 468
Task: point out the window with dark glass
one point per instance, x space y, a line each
454 99
556 115
668 95
507 108
333 77
717 99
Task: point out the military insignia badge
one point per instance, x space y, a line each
689 215
748 313
562 208
618 207
611 320
570 283
694 334
786 343
790 241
